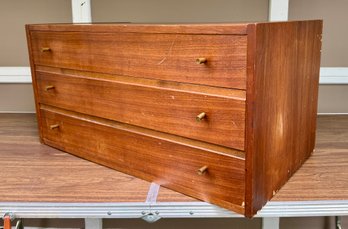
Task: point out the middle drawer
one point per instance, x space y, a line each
163 109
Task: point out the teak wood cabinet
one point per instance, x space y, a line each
225 113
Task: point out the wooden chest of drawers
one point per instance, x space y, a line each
225 113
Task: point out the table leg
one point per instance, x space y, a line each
270 223
91 223
338 222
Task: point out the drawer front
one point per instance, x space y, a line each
166 110
149 157
159 56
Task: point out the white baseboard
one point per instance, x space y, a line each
332 75
15 75
332 114
328 75
17 112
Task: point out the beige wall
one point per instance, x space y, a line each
335 35
333 99
14 14
179 10
16 98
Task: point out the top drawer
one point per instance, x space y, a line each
158 56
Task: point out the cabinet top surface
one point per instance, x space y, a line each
194 28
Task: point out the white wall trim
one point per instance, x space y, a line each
332 75
278 10
17 112
22 75
15 75
81 11
332 114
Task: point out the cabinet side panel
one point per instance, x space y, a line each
283 105
249 136
33 76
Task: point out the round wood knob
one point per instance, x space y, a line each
202 170
200 116
201 60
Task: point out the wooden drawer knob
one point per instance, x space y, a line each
202 170
49 87
201 60
45 49
200 116
54 126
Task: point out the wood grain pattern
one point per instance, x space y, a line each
160 135
281 105
211 28
274 65
18 128
324 176
165 56
148 157
202 89
33 76
32 172
170 111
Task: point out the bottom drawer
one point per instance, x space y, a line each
170 163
